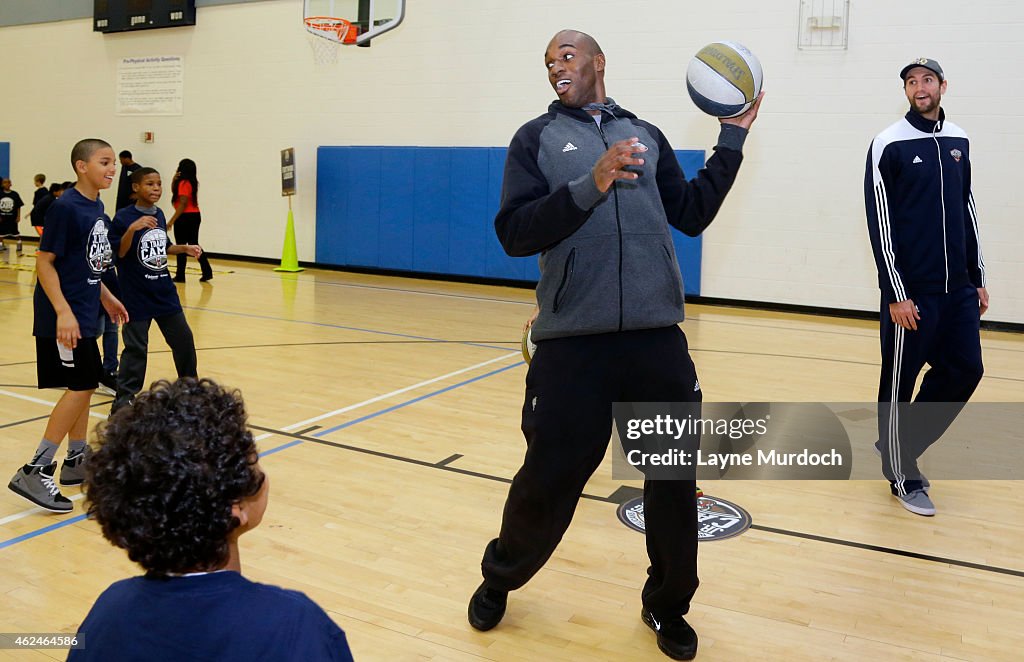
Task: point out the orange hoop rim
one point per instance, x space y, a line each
339 26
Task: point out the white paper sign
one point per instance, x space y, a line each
152 85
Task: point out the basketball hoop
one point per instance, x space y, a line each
326 36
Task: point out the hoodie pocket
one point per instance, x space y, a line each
563 286
672 267
651 283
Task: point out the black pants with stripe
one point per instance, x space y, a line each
567 422
948 340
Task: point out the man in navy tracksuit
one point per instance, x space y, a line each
924 234
593 190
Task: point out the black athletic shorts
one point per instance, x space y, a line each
78 369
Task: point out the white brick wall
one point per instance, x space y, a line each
462 72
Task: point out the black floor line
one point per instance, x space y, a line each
24 421
616 497
46 416
696 350
890 550
448 460
302 344
401 458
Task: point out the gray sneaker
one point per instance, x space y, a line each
924 481
917 502
35 483
72 471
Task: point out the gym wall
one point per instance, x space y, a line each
459 74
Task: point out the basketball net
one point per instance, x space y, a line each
326 36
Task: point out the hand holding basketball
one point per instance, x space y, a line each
610 166
747 118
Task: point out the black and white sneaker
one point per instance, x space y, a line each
675 636
108 384
35 483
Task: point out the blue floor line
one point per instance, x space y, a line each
282 447
295 442
38 532
356 421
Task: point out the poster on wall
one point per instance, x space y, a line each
152 85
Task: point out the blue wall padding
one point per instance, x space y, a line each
431 210
5 159
688 249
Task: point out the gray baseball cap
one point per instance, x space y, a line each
927 63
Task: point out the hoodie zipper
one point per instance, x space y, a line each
942 201
618 221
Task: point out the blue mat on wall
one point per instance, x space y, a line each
431 210
5 159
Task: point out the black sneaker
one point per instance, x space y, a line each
487 607
675 636
178 279
121 401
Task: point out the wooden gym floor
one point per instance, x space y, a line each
387 411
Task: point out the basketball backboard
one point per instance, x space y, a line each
371 18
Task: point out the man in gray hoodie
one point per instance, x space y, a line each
593 190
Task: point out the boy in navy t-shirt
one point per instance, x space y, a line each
139 234
190 439
73 254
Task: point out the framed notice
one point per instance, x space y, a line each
288 171
151 85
